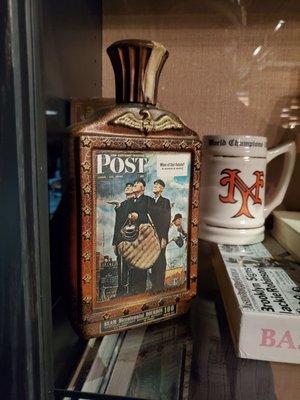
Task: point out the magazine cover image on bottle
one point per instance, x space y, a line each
142 205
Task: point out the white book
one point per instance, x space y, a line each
262 302
286 230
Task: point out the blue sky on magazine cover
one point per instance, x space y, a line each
176 190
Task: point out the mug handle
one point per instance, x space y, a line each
286 174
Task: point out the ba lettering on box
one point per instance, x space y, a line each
271 338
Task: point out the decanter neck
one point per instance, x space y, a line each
137 66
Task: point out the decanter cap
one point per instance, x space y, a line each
137 66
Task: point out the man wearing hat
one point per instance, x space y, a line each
177 222
160 211
139 204
176 255
121 210
138 211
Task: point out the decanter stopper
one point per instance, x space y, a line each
137 66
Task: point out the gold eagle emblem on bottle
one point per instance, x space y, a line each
147 123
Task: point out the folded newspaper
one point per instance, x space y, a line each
262 301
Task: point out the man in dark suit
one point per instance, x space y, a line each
121 210
160 211
138 211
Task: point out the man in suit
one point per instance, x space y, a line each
138 211
160 211
182 235
121 210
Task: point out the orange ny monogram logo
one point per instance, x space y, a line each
235 182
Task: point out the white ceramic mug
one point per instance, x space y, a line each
232 199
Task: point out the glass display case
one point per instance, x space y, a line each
233 69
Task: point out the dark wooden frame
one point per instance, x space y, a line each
25 307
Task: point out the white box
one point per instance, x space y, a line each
262 302
286 230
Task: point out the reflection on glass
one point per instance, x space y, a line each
279 25
257 50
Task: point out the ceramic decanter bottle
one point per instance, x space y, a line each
133 203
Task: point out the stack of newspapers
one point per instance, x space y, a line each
261 296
